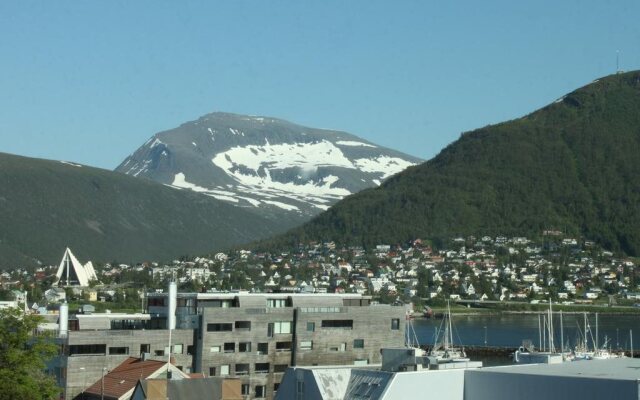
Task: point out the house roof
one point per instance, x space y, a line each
124 377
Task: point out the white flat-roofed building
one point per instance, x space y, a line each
585 380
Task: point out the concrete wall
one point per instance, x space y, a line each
84 370
370 323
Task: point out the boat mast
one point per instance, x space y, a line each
597 349
539 333
551 345
561 335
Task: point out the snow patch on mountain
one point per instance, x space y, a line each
386 165
353 143
72 164
284 206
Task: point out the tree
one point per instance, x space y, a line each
23 358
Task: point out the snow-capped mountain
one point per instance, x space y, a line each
264 162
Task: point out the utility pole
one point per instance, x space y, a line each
102 383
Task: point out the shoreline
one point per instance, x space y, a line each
439 314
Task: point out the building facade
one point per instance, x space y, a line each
252 336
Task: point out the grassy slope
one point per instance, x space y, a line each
104 216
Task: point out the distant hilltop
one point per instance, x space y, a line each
572 166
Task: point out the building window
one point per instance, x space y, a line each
278 368
244 347
306 345
190 349
246 389
361 361
311 326
337 323
87 349
214 349
395 324
242 369
219 327
275 387
145 348
212 371
177 349
261 391
283 346
300 390
262 368
159 353
118 350
224 370
277 303
230 347
279 327
263 348
358 343
339 347
243 325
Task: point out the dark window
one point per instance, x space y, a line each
219 327
244 347
242 369
243 325
280 367
190 349
263 348
275 387
159 353
118 350
283 346
358 343
261 391
337 323
145 348
212 371
229 347
155 301
262 368
395 324
246 389
311 326
81 349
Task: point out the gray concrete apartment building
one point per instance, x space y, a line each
253 336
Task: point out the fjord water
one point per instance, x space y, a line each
509 330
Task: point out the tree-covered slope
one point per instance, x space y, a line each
573 166
46 206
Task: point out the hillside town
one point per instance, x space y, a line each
500 269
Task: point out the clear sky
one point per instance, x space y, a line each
91 81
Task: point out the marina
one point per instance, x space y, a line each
494 338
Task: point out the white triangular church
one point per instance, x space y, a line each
72 273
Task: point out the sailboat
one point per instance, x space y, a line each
527 354
582 351
443 349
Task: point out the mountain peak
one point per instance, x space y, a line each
264 162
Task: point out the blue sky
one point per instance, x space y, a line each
91 81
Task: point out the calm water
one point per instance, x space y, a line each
509 330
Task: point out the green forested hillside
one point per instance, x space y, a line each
573 166
46 206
